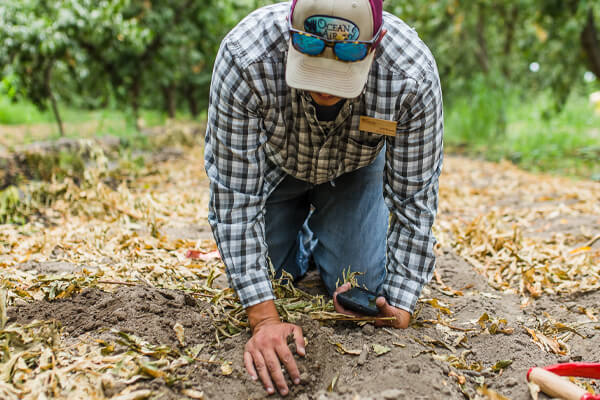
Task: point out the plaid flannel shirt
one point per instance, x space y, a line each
259 130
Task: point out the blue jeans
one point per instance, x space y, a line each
342 224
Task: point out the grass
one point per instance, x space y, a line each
493 123
501 124
24 123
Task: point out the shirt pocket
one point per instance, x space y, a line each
361 149
365 139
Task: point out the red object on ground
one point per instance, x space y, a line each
550 383
580 369
199 255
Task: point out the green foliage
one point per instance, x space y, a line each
22 112
158 55
17 204
479 116
144 53
34 45
567 142
9 206
500 39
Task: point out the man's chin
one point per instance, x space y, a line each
324 99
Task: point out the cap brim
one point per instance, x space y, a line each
326 75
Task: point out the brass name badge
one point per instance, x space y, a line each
379 126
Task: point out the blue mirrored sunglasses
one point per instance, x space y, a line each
344 50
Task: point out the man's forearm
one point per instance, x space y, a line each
261 313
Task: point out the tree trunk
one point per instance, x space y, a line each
591 43
169 93
482 52
511 22
48 85
135 105
193 103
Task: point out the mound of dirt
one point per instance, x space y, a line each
145 311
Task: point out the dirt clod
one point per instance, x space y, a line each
413 368
368 330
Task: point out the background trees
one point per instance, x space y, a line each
502 39
159 53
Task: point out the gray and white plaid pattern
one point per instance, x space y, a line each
259 130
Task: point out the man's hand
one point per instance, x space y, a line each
268 346
385 310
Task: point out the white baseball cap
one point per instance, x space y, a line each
336 20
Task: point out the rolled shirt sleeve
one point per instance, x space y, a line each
235 163
413 166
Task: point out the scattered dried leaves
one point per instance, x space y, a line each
110 235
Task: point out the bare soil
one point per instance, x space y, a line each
408 371
413 368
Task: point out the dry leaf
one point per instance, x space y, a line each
534 390
202 256
380 350
3 318
491 394
331 386
435 303
459 378
226 368
194 394
179 332
137 395
579 250
342 350
500 365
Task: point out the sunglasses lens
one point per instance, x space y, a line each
350 51
307 44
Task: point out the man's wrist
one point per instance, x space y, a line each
261 314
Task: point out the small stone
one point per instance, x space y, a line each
362 358
522 342
392 394
511 382
189 300
563 360
120 315
327 331
413 368
445 369
107 261
576 358
304 377
368 330
19 302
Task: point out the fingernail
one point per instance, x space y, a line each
254 377
297 381
270 390
284 392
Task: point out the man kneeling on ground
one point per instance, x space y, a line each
324 143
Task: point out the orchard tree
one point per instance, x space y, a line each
35 46
500 39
